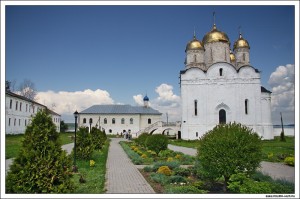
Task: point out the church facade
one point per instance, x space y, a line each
220 86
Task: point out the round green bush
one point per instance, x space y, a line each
229 149
157 143
41 166
289 161
141 140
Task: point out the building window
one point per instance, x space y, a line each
91 120
15 122
10 104
25 122
8 121
196 107
244 57
196 134
131 120
149 121
20 106
113 121
84 120
110 131
19 122
221 71
33 109
26 107
122 121
16 106
105 121
222 116
246 106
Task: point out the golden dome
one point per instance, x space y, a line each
195 44
241 43
215 36
232 57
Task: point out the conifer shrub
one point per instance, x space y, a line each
229 149
164 170
141 140
289 161
41 165
98 138
84 144
157 143
171 165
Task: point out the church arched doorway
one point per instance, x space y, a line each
222 116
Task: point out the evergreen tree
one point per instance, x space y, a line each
41 165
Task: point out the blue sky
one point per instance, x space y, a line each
133 50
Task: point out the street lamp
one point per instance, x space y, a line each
75 169
91 121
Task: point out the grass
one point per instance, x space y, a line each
185 143
13 143
276 150
94 176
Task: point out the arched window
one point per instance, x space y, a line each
222 116
196 107
10 104
196 134
122 121
195 58
149 121
221 71
110 131
113 121
84 120
246 106
244 57
131 120
91 121
105 121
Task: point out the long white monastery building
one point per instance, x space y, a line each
220 86
19 111
116 119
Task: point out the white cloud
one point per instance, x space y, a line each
282 81
66 103
165 102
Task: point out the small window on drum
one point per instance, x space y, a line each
221 71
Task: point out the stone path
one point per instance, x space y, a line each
275 170
122 176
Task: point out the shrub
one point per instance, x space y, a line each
229 149
141 140
41 165
178 156
289 161
98 138
144 156
166 153
177 179
171 165
159 178
164 170
157 143
135 158
184 189
182 171
84 144
170 159
92 163
240 183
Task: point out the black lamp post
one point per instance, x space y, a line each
75 169
91 121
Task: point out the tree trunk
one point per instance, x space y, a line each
226 179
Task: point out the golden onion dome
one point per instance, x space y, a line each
215 36
232 57
195 44
241 43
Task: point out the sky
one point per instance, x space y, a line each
78 56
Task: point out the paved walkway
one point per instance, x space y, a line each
122 176
275 170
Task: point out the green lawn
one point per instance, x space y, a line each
185 143
94 176
13 143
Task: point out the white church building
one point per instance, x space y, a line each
220 86
116 119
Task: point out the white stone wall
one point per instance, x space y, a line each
139 122
214 92
19 114
216 52
242 56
